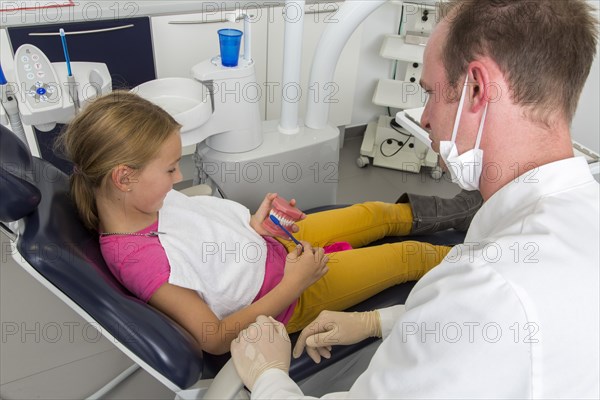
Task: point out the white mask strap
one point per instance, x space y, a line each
480 131
460 107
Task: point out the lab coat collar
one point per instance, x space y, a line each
524 191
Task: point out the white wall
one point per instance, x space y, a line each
586 124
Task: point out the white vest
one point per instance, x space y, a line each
212 249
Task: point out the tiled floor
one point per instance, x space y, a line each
355 185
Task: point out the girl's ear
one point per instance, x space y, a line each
478 91
121 177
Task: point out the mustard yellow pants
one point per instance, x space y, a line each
357 274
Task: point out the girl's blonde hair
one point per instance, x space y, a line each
119 128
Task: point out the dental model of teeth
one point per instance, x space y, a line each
285 213
286 222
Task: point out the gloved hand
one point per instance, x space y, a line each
333 328
265 344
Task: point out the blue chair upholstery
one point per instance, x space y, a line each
17 170
55 243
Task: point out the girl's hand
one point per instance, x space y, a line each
263 213
303 268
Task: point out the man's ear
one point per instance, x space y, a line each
479 90
121 177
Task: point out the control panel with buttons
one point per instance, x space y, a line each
41 97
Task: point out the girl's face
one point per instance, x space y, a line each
152 183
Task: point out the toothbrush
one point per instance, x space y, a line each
63 39
70 78
276 222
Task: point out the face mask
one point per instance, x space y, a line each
465 169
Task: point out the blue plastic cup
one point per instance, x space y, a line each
229 42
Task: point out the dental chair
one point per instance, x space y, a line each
54 247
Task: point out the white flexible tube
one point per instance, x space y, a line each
17 127
292 59
12 111
332 42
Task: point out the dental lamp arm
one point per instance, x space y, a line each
327 54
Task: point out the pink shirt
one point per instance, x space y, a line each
141 265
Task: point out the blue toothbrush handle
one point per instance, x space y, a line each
291 237
276 222
2 77
63 40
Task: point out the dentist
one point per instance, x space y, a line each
514 311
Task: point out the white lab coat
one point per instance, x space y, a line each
512 313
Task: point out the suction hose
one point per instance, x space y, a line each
9 102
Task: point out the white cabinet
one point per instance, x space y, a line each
317 18
406 48
182 41
386 142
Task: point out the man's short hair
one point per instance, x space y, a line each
544 48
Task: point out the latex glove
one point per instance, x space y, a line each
335 328
265 344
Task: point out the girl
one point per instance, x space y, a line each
206 262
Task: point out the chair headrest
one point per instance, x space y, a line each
20 196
